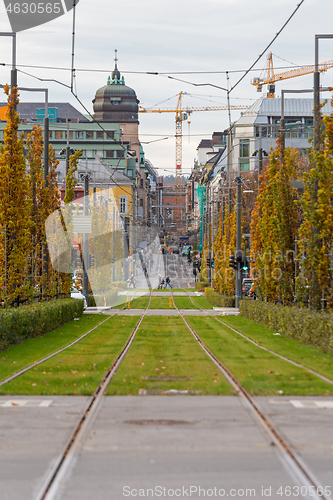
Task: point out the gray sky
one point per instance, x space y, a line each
171 36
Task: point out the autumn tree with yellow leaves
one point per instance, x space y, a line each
224 247
16 222
274 229
316 232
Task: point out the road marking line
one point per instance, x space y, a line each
26 402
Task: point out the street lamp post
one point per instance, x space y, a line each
13 73
317 89
46 128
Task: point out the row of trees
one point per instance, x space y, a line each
291 231
26 201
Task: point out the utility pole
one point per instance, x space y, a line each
239 259
316 97
46 139
85 240
67 151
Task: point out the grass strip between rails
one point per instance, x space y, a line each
161 303
164 356
202 302
304 354
140 302
19 356
183 303
258 371
80 368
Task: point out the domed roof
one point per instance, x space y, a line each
115 102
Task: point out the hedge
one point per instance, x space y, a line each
310 327
201 284
34 320
219 300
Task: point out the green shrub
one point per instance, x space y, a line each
310 327
219 300
201 284
18 324
91 301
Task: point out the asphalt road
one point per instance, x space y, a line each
173 442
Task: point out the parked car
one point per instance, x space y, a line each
174 249
76 294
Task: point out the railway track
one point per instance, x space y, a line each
322 377
64 462
42 360
291 459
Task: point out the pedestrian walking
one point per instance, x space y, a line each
167 281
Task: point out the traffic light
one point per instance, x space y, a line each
91 260
232 262
212 263
245 264
208 261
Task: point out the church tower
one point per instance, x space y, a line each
117 103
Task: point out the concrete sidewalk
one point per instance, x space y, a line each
221 311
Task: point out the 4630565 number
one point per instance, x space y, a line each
34 8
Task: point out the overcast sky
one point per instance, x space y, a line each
204 38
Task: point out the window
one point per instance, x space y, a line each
110 135
123 204
244 148
78 134
76 194
58 134
50 134
70 134
89 135
99 135
244 164
141 202
120 153
115 100
141 183
110 153
130 173
90 154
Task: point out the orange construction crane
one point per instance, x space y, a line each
271 78
182 114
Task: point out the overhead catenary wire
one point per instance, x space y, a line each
265 50
153 73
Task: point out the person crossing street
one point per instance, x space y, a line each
167 281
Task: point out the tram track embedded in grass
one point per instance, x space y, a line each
291 459
50 489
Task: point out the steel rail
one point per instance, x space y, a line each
36 363
325 379
63 465
291 459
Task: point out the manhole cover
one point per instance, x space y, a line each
159 422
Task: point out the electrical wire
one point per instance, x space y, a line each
265 50
153 73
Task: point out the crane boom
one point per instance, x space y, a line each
271 77
182 115
189 110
